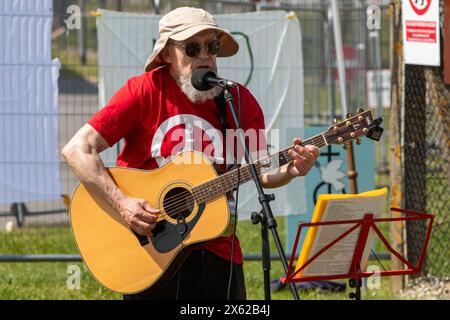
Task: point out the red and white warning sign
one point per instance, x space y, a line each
421 32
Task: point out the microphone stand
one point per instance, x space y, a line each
266 218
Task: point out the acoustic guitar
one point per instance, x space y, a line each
194 208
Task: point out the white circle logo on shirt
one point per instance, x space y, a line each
193 139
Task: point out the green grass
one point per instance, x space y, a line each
48 280
38 241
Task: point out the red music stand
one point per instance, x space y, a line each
355 273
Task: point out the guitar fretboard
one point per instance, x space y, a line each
221 185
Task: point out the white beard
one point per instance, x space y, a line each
193 94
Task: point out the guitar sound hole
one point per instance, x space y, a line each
178 202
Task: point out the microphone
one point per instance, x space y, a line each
204 79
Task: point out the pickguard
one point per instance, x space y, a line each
166 235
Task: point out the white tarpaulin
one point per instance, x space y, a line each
29 157
269 63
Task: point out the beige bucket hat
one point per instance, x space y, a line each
181 24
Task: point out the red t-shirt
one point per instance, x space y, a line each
147 110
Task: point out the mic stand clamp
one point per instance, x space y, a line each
264 199
258 217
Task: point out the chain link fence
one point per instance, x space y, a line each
414 148
438 173
427 177
426 163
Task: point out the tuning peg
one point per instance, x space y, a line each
335 121
358 141
349 115
360 110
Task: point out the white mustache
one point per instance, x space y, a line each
193 94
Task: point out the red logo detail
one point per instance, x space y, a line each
420 11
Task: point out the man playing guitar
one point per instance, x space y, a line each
146 112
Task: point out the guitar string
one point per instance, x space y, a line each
179 198
176 197
282 157
170 201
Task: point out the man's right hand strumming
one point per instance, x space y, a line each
138 215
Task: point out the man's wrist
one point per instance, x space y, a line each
118 200
288 171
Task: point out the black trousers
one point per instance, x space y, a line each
203 276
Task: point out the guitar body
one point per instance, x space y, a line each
125 262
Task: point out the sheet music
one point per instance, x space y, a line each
338 258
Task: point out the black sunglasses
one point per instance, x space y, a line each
193 49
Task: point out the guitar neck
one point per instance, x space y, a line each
229 181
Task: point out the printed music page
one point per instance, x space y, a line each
338 258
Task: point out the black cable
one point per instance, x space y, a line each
236 205
179 276
178 285
234 234
378 260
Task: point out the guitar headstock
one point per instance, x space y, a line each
354 127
